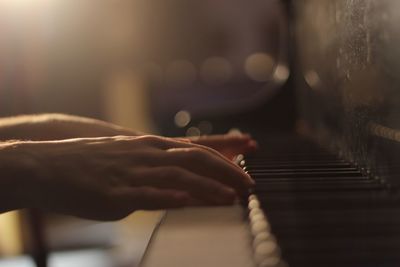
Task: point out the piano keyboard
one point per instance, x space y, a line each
311 208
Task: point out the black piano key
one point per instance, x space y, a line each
295 161
261 169
303 174
324 200
298 165
318 186
323 210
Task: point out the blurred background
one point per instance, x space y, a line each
172 67
139 63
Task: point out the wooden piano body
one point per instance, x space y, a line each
327 194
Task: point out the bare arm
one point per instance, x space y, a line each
56 127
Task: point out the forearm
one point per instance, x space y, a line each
57 126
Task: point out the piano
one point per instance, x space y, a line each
326 192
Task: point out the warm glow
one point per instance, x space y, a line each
193 131
281 73
10 234
22 4
259 67
182 118
312 79
126 101
235 132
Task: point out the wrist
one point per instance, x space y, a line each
63 126
20 172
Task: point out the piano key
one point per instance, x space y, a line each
264 236
321 207
305 174
299 170
297 165
324 200
318 186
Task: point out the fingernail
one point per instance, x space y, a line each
250 180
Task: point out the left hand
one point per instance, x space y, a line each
68 126
61 126
228 145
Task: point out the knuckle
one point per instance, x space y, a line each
121 141
153 140
122 138
197 154
150 139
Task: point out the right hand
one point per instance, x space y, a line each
107 178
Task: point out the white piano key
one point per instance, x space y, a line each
259 227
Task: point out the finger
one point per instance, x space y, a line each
217 153
166 143
222 141
229 145
231 151
182 139
206 164
175 178
221 137
150 155
162 142
148 198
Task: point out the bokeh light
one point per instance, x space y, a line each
281 73
193 131
182 118
312 78
259 67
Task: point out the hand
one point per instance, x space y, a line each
109 177
228 145
60 126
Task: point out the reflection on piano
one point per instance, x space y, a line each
326 195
